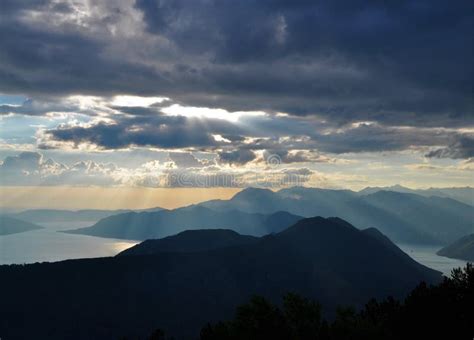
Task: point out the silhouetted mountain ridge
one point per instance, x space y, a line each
148 225
325 259
191 241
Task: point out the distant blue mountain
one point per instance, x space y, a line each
404 217
56 215
148 225
464 194
462 249
9 225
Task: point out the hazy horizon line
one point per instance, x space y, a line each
16 198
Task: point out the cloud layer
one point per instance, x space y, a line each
403 63
309 84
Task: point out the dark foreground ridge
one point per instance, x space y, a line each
191 241
443 311
324 259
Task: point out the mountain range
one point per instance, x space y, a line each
149 225
56 215
403 217
462 249
464 195
198 280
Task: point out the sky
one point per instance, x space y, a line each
143 95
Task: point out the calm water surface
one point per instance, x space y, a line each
427 255
50 245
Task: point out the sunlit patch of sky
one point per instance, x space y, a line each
137 100
204 112
6 99
20 129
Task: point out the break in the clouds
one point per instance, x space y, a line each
184 169
177 170
293 138
310 83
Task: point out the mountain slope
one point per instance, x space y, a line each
442 219
189 241
146 225
462 249
54 215
300 201
464 195
325 259
9 225
403 217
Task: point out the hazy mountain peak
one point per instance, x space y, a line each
252 192
9 225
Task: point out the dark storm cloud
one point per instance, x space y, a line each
34 60
397 63
158 131
14 6
32 107
376 138
284 156
293 139
237 157
185 160
394 57
462 148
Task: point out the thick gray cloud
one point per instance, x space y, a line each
237 157
157 131
40 107
284 156
186 160
462 148
350 77
377 138
397 63
293 139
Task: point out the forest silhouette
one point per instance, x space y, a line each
442 311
